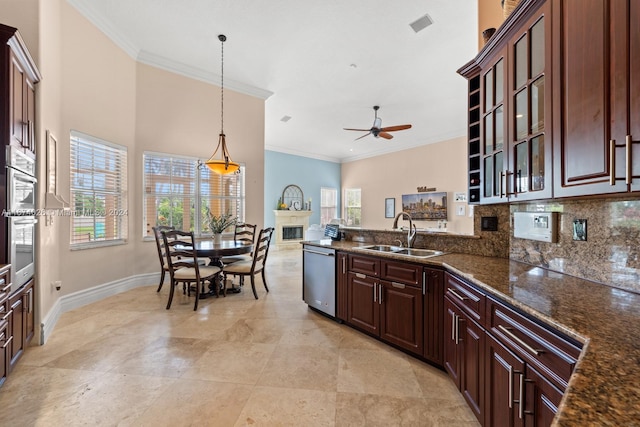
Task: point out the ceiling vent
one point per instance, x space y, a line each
421 23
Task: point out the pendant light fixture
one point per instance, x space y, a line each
223 165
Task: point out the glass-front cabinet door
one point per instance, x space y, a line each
493 131
529 172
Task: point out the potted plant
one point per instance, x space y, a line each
218 223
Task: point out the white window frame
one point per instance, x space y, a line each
105 171
197 182
348 206
328 210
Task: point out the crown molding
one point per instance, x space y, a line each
104 25
301 153
175 67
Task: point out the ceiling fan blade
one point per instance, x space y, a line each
385 135
362 135
359 130
394 128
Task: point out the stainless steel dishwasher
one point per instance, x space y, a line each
319 278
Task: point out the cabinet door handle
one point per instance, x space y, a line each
7 341
457 329
457 295
453 326
500 184
424 282
521 397
629 158
344 265
507 331
397 285
360 276
510 387
380 290
374 292
612 162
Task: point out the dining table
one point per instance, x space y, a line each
216 251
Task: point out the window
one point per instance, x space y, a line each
352 207
98 192
328 205
175 189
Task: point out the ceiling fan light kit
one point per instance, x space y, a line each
223 165
377 130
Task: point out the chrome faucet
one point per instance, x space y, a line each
411 235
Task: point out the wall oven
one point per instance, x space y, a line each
21 216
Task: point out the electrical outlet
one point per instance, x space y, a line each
580 229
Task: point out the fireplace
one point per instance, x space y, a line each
290 228
292 232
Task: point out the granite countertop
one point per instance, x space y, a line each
603 389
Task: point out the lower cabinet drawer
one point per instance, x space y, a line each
468 298
402 272
554 355
364 264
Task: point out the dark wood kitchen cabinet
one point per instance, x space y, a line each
21 321
433 310
464 347
5 332
528 368
385 300
342 290
598 104
17 85
510 155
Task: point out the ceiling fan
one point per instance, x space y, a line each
378 131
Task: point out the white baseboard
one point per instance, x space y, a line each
91 295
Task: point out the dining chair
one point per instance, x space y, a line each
157 233
183 266
243 232
255 265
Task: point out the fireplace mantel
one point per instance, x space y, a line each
290 228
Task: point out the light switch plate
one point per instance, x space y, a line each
540 226
460 210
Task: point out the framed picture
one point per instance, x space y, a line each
389 207
52 163
428 206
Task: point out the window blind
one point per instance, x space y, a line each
175 189
98 191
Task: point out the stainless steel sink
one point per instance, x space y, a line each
421 253
409 252
383 248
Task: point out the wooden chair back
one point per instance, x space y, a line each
261 249
157 233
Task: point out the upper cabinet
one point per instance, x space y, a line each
552 98
18 92
511 144
596 118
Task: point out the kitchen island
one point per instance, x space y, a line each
602 389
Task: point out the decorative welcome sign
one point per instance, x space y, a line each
426 206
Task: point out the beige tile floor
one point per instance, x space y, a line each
237 361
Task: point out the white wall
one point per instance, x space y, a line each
441 165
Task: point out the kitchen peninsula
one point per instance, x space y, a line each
602 389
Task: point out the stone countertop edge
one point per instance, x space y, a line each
602 389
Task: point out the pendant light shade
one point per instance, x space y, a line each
222 165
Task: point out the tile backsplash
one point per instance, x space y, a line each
611 252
